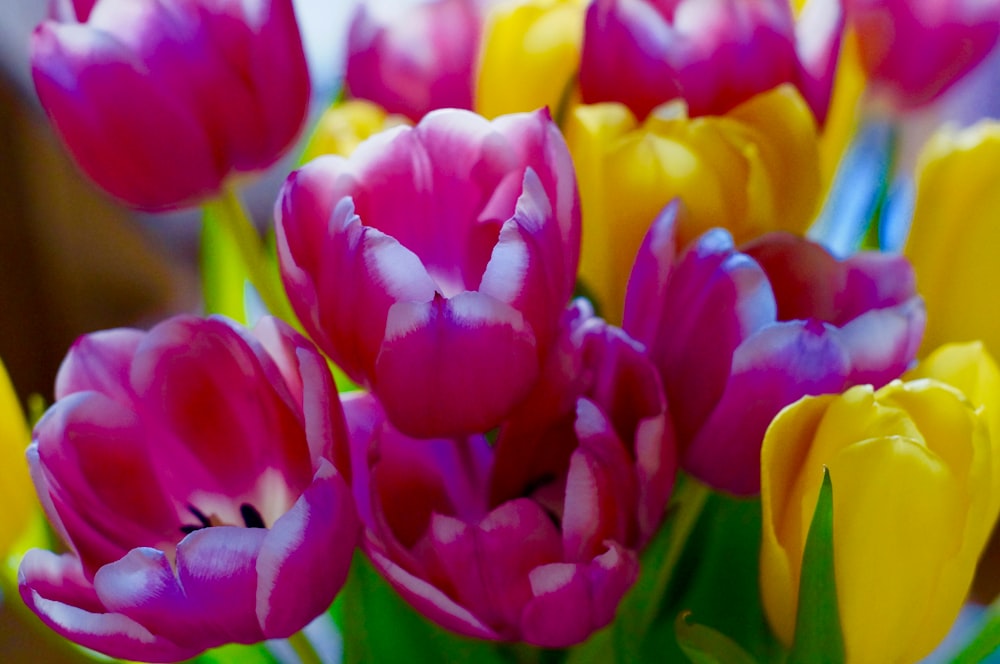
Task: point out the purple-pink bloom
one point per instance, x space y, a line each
738 334
915 50
191 471
534 538
715 54
159 101
415 60
434 263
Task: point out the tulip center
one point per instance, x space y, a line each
251 519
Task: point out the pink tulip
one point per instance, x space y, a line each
915 50
191 472
534 538
738 334
415 60
160 101
433 264
715 54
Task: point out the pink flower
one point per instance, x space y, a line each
415 60
715 54
159 101
915 50
739 334
535 538
189 470
433 264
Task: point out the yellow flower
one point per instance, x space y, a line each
344 125
914 499
17 495
753 170
530 56
953 239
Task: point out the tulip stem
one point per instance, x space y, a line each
303 648
236 223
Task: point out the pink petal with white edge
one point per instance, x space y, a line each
52 587
454 367
645 296
883 343
99 362
819 32
304 559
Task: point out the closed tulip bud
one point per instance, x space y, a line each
160 101
914 499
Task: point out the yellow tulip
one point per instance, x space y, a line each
530 56
344 125
753 170
953 239
16 491
914 499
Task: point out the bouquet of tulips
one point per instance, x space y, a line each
607 331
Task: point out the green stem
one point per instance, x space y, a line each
233 218
690 498
303 648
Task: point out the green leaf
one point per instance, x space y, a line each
986 642
704 645
818 635
379 626
223 275
237 654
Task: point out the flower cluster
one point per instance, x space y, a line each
512 465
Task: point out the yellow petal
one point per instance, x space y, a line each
530 56
17 494
953 239
343 126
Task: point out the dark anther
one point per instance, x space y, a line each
187 530
251 516
203 520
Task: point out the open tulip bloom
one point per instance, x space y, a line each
735 474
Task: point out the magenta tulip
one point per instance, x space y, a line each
433 264
915 50
715 54
534 538
191 471
160 101
415 60
739 334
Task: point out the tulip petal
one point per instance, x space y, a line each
430 371
99 362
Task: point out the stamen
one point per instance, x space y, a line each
198 514
251 516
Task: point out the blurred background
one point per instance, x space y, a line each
73 261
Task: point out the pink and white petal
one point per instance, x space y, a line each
99 362
454 367
364 417
772 369
883 343
819 32
560 612
52 587
430 601
645 296
304 558
217 567
611 575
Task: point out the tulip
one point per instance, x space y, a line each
751 171
530 56
15 489
737 335
343 127
160 448
160 101
954 232
715 54
415 60
433 264
534 538
914 499
914 50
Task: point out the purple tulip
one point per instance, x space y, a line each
415 60
534 538
159 101
739 334
915 50
433 264
191 472
715 54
